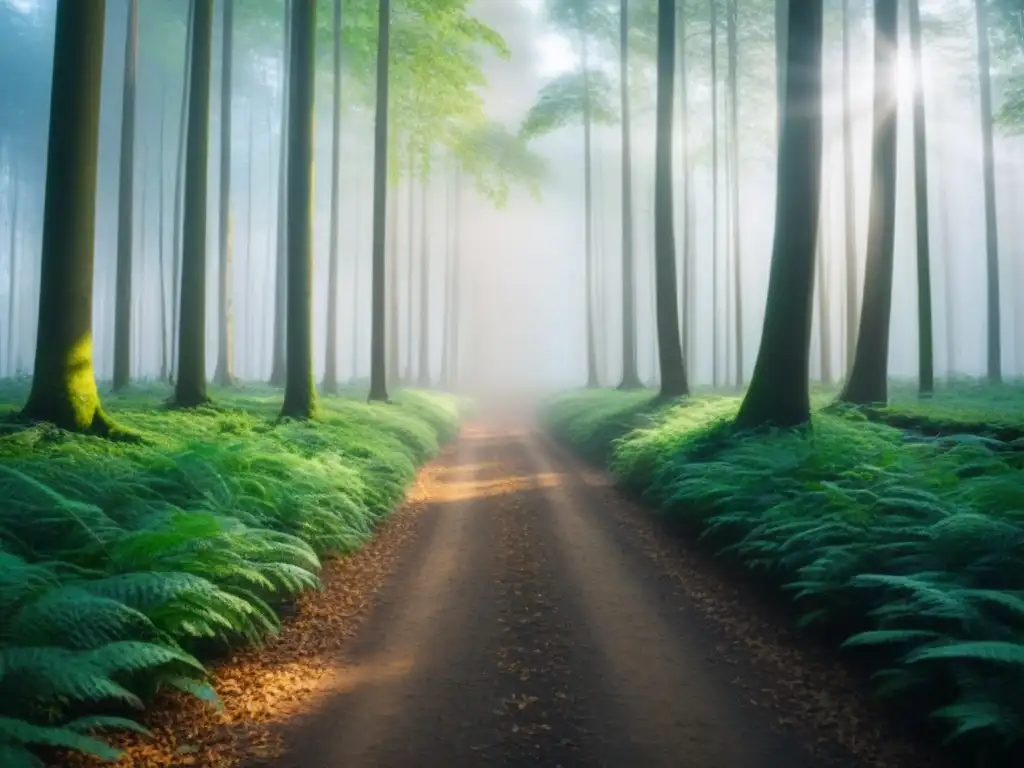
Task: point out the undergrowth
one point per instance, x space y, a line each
908 549
123 564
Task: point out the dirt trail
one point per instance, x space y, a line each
524 626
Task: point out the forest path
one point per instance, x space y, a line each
531 623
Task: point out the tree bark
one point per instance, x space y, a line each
125 211
868 379
713 32
778 393
734 152
190 387
630 377
849 194
64 388
329 386
687 314
279 355
378 375
994 338
824 308
179 182
224 374
300 391
161 233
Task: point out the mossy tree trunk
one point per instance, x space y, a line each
279 355
125 209
190 386
224 372
779 393
300 392
630 377
378 374
329 386
868 379
64 388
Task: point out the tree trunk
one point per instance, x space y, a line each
409 281
300 391
588 214
161 233
994 340
868 379
447 316
190 387
356 291
329 386
278 371
778 392
423 380
12 294
713 32
394 370
849 194
179 182
670 352
687 317
630 377
734 187
64 388
251 335
378 377
125 212
138 301
224 374
454 356
824 308
925 343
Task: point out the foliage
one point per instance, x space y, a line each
908 547
120 564
560 103
496 158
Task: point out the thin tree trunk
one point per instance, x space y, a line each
12 295
179 182
824 308
630 377
190 387
394 342
378 376
778 392
455 357
409 282
994 338
224 374
330 382
447 316
300 391
734 152
713 32
868 379
925 344
423 380
250 267
849 194
278 371
125 211
141 278
161 233
588 206
64 388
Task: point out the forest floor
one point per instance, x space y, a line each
519 610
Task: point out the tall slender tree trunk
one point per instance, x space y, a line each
64 388
378 375
299 390
12 269
948 276
125 211
409 282
423 380
734 187
824 307
670 352
138 311
250 267
778 392
925 344
190 387
179 183
588 214
278 371
994 338
455 357
713 32
447 315
868 379
224 374
161 232
330 382
689 220
849 194
394 342
356 286
630 377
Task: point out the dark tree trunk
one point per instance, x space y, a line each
670 352
12 294
423 380
925 343
849 194
278 371
330 382
868 379
713 32
630 377
63 383
179 183
190 386
994 339
378 374
125 211
300 391
778 392
161 233
732 10
588 211
224 374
